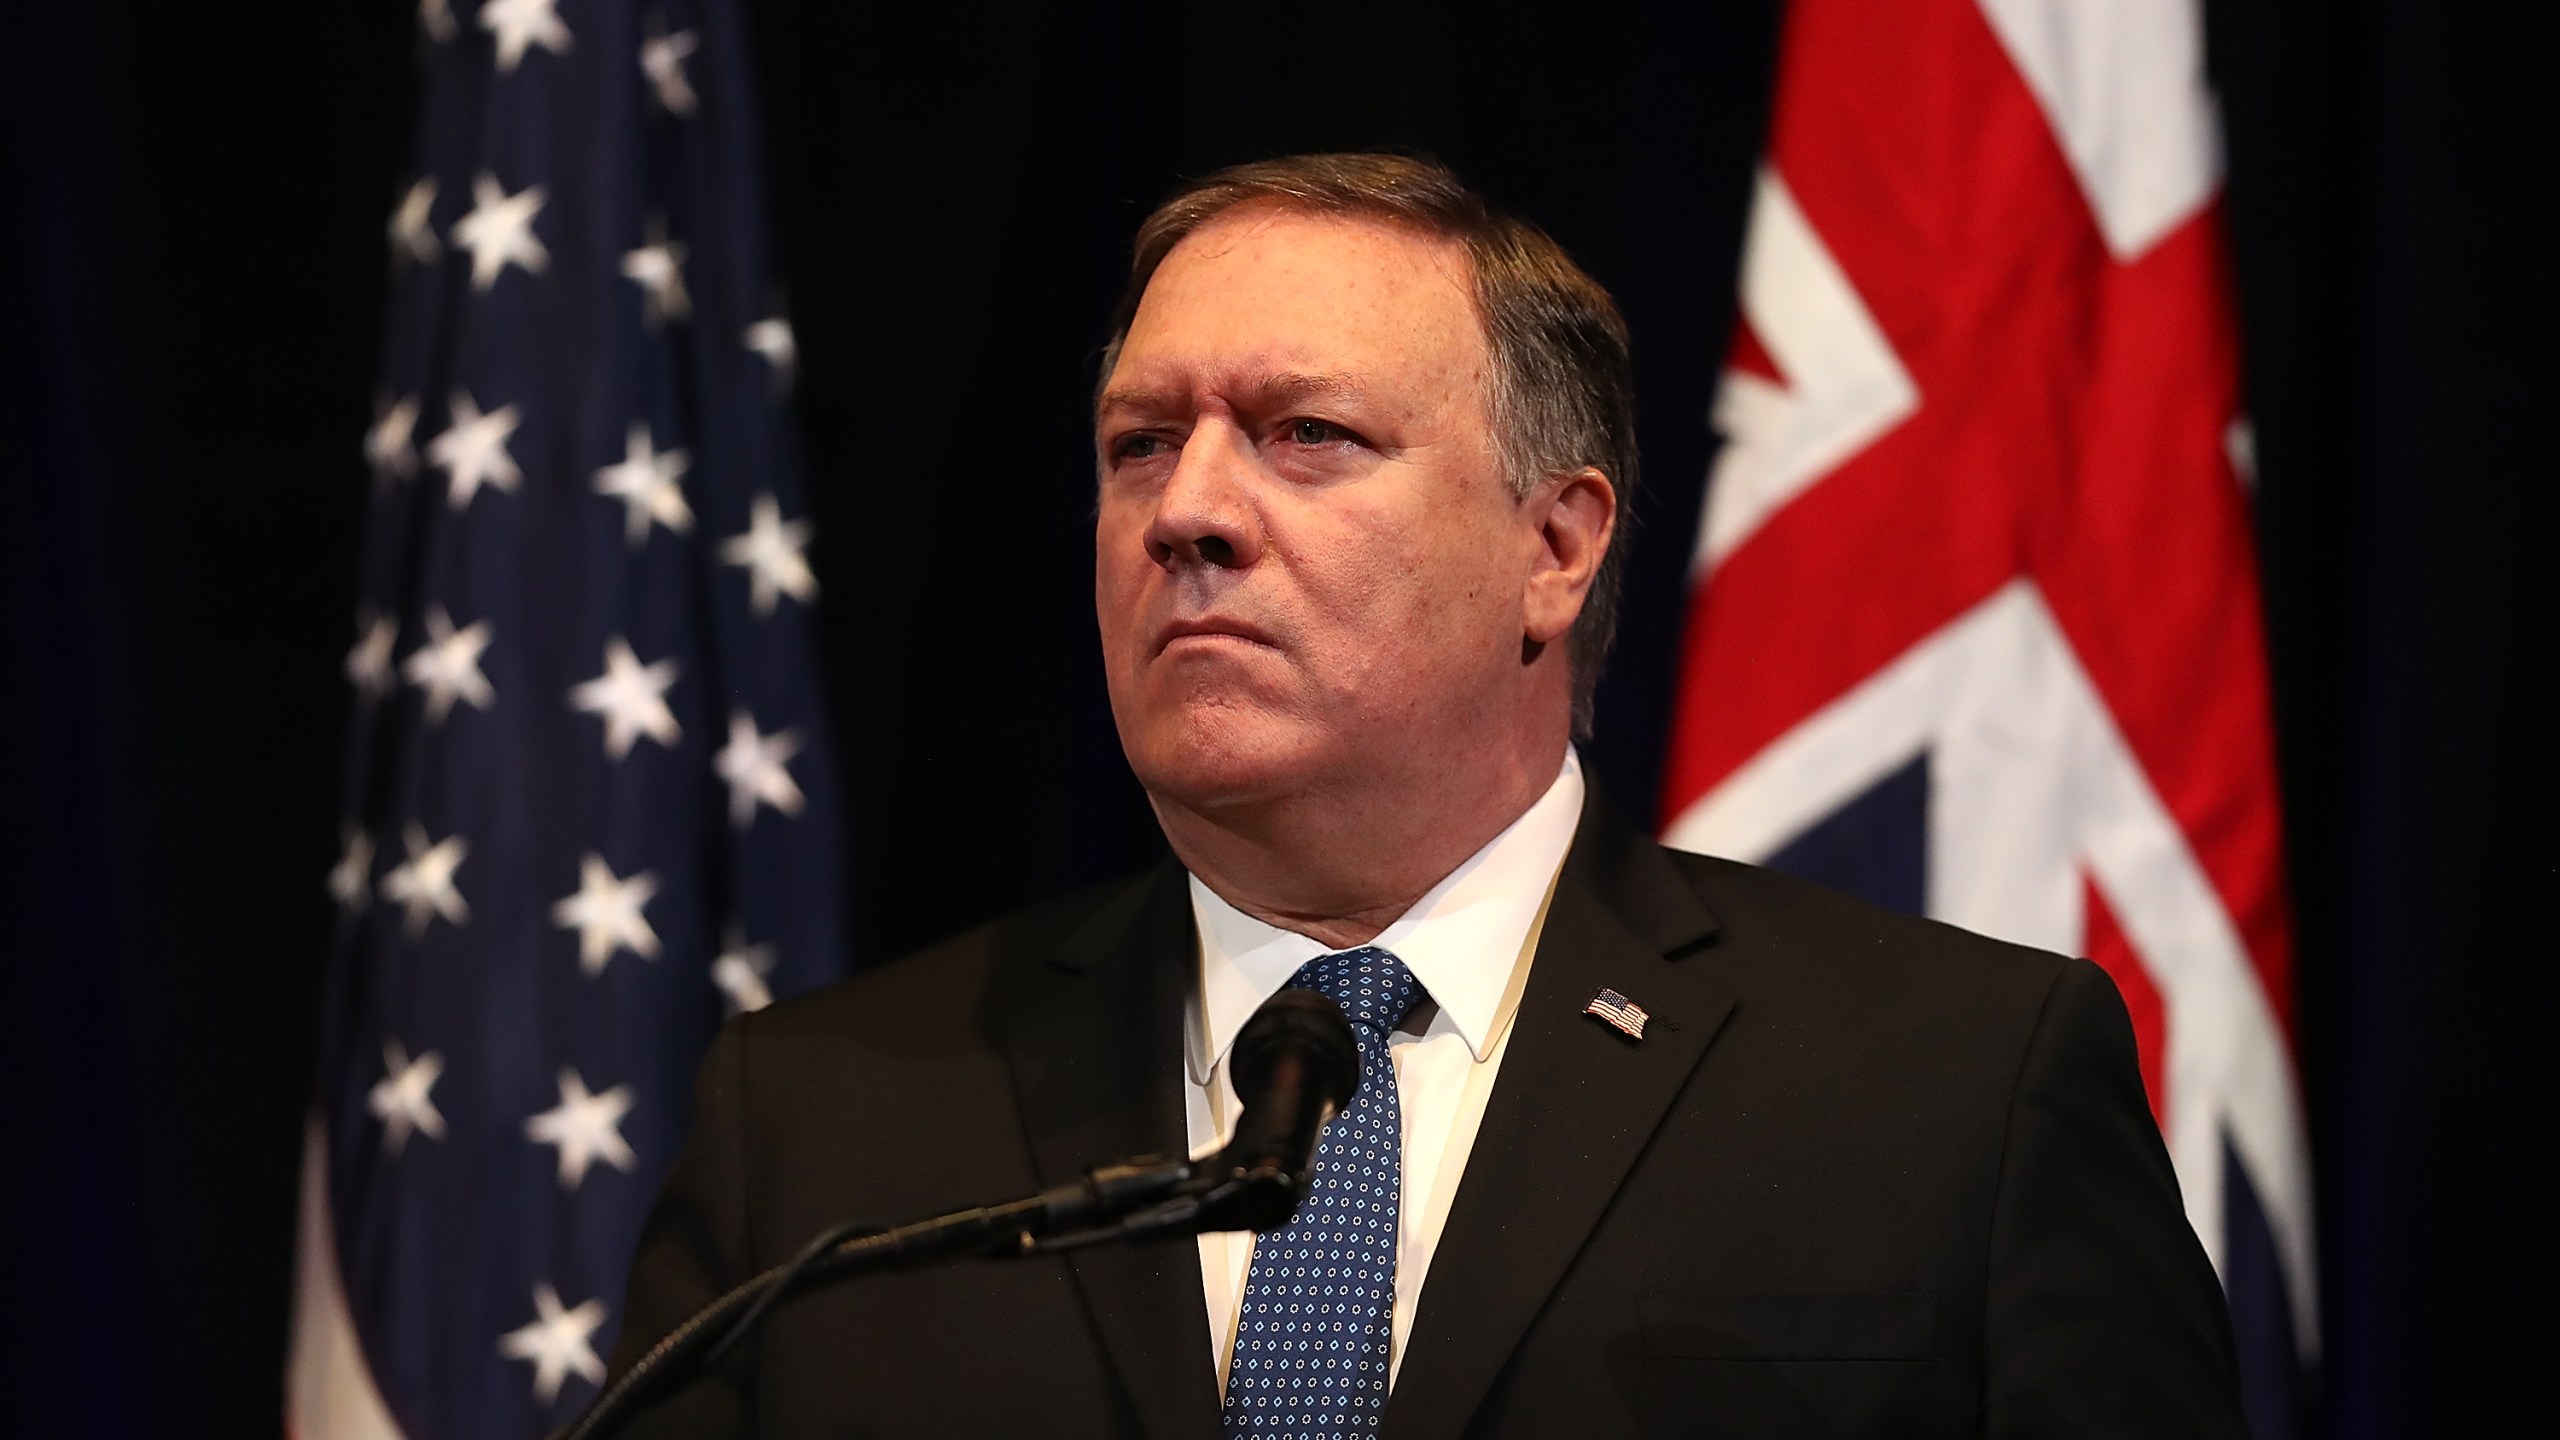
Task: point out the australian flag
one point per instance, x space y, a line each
589 806
1975 625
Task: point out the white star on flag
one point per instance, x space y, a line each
423 884
412 235
587 1128
400 1098
499 230
772 339
740 972
557 1342
662 59
351 879
645 483
473 451
771 552
755 767
448 665
606 913
369 663
387 446
519 24
632 699
659 268
437 17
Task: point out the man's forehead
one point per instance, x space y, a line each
1281 306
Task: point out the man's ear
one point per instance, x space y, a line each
1575 514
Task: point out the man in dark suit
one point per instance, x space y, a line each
1648 1143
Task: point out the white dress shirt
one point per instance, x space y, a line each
1469 943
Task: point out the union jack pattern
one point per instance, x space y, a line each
1974 622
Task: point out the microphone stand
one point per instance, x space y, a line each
1132 1200
1295 1058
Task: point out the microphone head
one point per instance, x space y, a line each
1306 1025
1295 1066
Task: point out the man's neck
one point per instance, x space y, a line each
1340 868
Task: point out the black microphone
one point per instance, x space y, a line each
1295 1066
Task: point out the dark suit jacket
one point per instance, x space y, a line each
1864 1175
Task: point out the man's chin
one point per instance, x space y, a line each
1222 770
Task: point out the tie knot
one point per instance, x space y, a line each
1371 985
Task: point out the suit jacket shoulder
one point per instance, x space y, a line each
1849 937
1863 1174
951 990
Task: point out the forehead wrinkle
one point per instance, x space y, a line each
1257 389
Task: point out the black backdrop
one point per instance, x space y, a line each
191 202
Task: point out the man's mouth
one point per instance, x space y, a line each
1209 630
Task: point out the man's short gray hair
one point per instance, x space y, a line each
1563 387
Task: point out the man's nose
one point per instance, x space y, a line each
1205 514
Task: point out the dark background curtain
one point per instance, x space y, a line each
191 260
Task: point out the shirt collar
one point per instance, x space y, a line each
1462 939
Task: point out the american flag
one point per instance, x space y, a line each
1622 1013
1975 626
589 806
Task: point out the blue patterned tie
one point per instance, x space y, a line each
1317 1326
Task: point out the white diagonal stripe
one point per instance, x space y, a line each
1844 386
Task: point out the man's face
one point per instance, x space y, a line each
1308 571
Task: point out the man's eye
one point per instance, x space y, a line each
1314 432
1138 447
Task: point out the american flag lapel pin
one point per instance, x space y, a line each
1621 1013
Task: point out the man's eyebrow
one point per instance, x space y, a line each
1139 399
1277 391
1296 388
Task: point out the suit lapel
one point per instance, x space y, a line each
1575 1105
1094 1035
